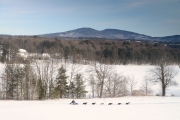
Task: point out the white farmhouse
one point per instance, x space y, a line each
25 55
22 54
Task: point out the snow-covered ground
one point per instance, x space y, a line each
140 108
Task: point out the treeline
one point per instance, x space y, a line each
104 51
46 80
52 79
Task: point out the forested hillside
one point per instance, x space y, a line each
86 49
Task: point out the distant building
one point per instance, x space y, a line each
22 54
138 41
25 55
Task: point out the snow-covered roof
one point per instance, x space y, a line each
22 51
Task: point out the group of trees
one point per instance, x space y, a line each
104 51
105 82
49 80
40 81
130 55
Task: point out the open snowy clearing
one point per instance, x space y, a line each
140 108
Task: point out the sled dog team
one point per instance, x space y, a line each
75 103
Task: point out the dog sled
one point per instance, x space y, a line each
73 103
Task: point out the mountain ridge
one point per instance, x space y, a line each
110 34
106 33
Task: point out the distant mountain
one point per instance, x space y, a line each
174 38
4 35
92 33
122 34
110 34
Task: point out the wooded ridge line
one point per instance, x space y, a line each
92 49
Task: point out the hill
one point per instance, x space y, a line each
174 38
110 34
92 33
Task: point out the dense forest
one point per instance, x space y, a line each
92 49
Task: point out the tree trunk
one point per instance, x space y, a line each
93 91
163 90
101 91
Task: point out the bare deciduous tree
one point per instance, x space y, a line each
146 85
124 87
92 83
131 83
41 86
114 85
101 72
50 68
164 75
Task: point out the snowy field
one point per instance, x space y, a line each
140 108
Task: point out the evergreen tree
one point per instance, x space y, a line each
80 87
41 89
19 74
114 57
61 82
12 79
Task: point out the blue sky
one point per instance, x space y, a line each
31 17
